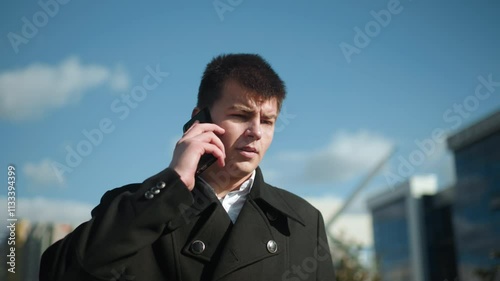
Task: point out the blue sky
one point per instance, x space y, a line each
414 65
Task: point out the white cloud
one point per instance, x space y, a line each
346 156
31 92
119 80
42 173
355 227
50 210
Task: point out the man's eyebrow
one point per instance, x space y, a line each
270 116
248 109
242 108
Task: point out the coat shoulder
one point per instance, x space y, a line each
297 204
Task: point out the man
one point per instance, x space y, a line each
226 223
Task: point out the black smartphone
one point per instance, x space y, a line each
207 159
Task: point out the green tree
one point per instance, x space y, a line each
348 262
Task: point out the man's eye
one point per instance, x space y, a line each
268 122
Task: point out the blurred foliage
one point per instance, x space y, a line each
492 273
489 274
349 265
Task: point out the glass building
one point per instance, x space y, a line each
393 259
476 207
399 230
440 262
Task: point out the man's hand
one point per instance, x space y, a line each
200 139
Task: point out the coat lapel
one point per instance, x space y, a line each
262 220
247 242
207 225
206 242
272 198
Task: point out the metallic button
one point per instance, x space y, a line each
272 216
197 247
272 246
149 195
161 185
155 190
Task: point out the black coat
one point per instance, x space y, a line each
182 235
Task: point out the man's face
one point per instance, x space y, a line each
249 128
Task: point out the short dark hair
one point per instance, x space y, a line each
251 71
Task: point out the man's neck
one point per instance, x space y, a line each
223 188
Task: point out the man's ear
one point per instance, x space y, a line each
195 111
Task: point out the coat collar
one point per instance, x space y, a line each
261 191
271 195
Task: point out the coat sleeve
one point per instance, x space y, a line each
124 222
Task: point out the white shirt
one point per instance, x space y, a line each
233 201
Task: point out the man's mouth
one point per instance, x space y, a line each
248 151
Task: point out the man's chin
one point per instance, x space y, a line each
233 170
242 167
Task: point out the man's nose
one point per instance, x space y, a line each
254 130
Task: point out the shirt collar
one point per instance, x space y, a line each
247 185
